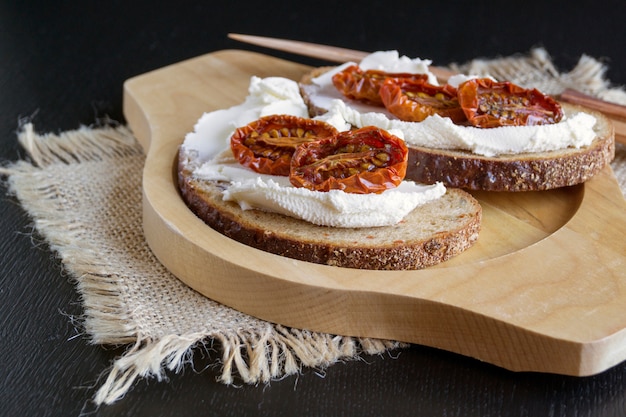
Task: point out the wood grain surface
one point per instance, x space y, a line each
542 290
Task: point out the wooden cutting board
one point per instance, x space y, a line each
544 288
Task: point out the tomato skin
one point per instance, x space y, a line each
414 101
357 84
488 103
266 145
361 161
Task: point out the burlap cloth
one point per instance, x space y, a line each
82 189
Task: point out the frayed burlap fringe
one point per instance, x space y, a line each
82 189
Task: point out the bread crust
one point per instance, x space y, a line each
510 173
431 234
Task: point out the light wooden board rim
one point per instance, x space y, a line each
556 303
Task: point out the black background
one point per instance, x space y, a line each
62 64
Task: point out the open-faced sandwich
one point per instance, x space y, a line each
469 132
268 175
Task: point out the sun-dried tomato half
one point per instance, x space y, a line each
488 103
413 101
267 144
362 161
357 84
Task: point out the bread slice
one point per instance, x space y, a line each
430 234
515 172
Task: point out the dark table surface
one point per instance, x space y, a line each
62 64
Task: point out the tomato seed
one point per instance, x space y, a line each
383 157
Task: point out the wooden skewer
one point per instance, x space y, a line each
314 50
606 107
616 112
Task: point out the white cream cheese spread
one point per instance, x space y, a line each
209 145
273 95
333 208
440 133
